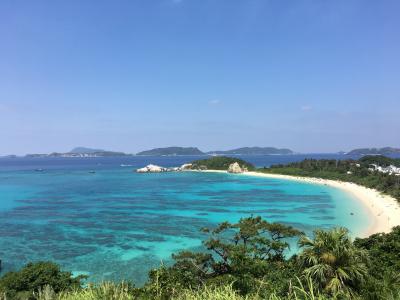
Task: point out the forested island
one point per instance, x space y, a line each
254 151
175 150
196 151
81 152
375 151
172 151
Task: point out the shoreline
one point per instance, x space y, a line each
383 209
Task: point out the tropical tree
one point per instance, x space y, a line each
242 254
333 262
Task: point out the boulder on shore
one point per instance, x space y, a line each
236 168
186 167
151 169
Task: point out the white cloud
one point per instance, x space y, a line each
214 102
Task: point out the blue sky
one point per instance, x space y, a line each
313 76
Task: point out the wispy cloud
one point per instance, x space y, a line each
306 108
214 102
5 108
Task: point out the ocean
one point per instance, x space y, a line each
96 217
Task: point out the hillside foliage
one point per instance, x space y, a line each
220 163
356 171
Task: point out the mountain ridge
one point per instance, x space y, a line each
254 151
174 150
86 150
374 151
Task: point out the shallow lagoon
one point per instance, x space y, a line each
116 224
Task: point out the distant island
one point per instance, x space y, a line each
172 151
176 151
254 151
166 151
86 150
196 151
375 151
81 152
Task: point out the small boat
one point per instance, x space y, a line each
39 170
124 165
92 172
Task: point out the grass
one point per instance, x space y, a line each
122 291
111 291
104 291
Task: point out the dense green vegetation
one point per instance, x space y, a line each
384 256
346 170
33 277
243 261
220 163
379 160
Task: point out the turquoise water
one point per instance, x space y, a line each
116 224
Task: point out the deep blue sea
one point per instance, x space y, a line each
116 224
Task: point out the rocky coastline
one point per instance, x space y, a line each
233 168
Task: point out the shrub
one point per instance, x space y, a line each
35 276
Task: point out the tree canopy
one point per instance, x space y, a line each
220 163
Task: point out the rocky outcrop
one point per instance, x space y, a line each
236 168
186 167
151 169
233 168
157 169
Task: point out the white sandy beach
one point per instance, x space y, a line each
384 210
